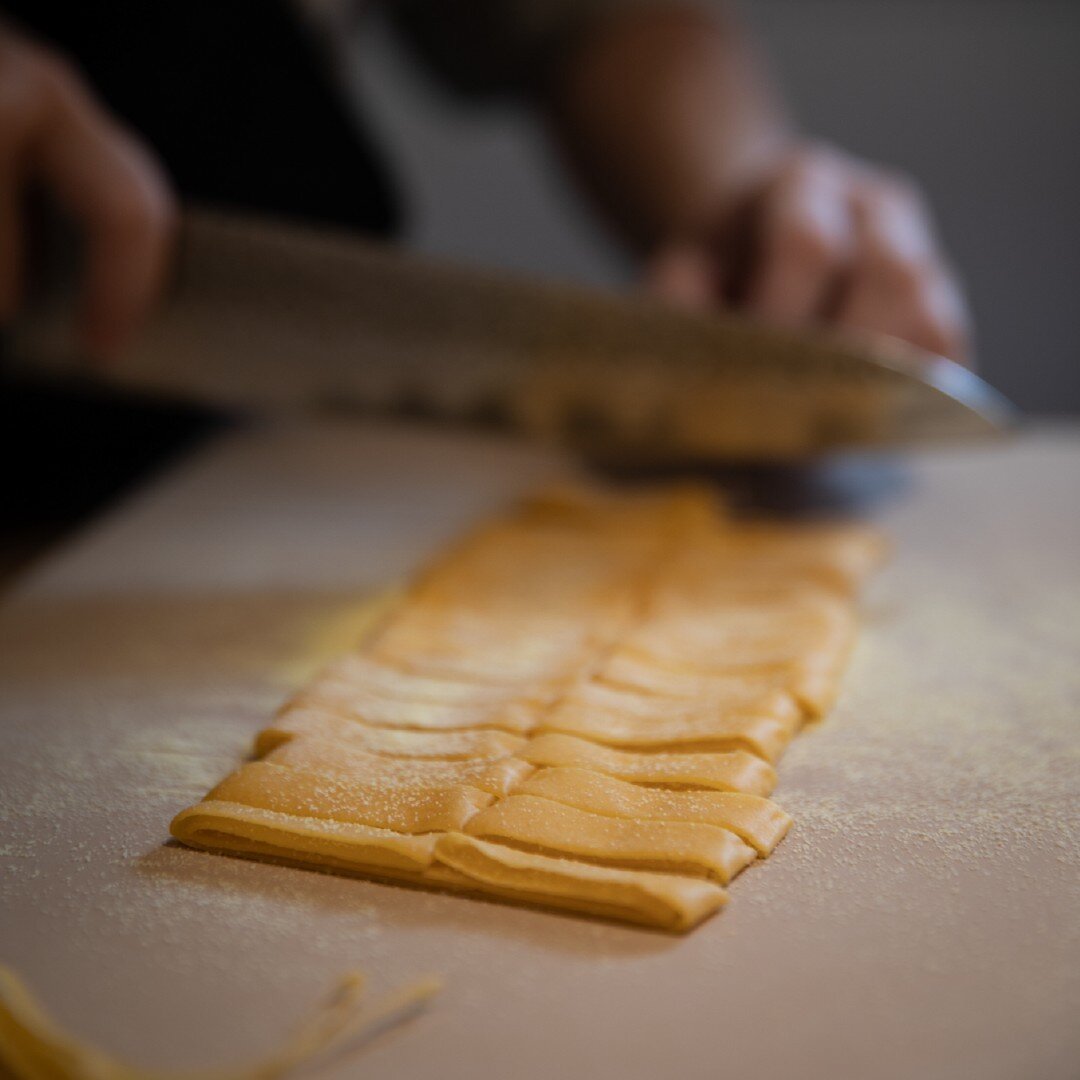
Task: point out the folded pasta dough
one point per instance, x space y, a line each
557 829
355 701
405 774
219 825
665 901
384 805
572 569
447 642
760 822
385 681
501 664
838 558
733 770
810 688
471 744
800 646
578 706
732 637
761 720
518 602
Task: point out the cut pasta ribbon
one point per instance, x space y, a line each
34 1047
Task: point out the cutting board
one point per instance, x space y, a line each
921 919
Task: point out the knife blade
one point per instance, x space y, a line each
271 316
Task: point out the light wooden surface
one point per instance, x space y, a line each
922 919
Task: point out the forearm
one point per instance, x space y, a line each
660 110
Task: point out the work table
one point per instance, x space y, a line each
922 918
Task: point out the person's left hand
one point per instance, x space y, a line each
822 238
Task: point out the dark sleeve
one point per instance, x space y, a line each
235 99
486 48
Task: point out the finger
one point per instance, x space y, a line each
126 265
17 114
899 284
123 202
11 240
805 241
686 274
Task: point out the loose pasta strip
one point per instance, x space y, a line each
34 1047
469 744
665 901
734 770
362 768
759 822
556 829
383 805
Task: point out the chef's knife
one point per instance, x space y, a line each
272 316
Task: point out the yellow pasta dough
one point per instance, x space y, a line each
810 689
837 558
664 901
476 745
385 804
728 716
760 822
385 681
735 770
331 758
252 830
578 706
355 701
553 828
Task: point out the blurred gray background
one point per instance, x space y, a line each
980 99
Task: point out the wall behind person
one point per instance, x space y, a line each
980 99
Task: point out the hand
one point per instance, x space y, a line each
821 238
54 133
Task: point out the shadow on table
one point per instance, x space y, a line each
836 487
399 906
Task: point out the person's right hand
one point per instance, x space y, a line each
55 134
